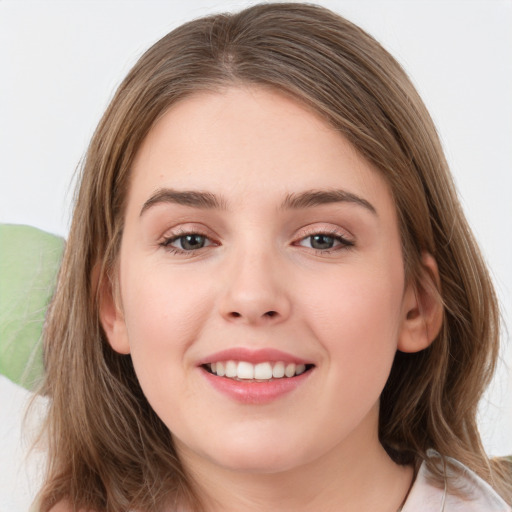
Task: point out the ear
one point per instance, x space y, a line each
422 309
111 315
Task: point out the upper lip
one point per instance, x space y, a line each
252 356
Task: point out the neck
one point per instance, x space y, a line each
352 476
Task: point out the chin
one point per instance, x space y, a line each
260 457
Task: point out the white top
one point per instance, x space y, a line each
464 491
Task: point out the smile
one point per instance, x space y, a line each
256 377
263 372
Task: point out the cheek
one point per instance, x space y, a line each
164 315
357 320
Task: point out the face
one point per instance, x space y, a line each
261 283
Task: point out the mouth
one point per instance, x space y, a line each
268 371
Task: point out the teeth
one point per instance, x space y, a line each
231 369
278 370
262 371
245 370
289 371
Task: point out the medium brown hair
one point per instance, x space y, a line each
108 450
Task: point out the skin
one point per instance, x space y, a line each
259 282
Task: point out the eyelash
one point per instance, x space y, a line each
344 243
167 241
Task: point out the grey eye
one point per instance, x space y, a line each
190 242
325 242
322 241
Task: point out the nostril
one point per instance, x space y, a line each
268 314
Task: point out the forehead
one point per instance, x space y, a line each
249 142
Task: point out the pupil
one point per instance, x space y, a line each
322 242
189 242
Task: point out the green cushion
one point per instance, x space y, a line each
29 262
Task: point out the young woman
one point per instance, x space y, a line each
270 298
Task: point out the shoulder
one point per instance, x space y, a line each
461 491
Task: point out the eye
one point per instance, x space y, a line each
320 242
325 242
187 242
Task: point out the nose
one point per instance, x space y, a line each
255 291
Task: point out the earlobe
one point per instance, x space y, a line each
112 317
422 309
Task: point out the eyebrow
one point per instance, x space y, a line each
311 198
294 201
192 198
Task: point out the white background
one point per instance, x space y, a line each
60 62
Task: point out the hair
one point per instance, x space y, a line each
108 450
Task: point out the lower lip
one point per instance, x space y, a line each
252 392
